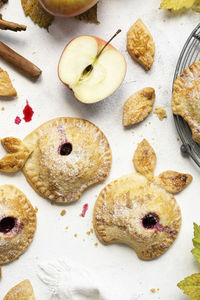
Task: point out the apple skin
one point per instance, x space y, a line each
67 8
100 43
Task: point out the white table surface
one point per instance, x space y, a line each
122 275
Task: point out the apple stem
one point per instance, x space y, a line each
90 67
118 31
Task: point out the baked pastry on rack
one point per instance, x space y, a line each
21 291
186 98
137 210
140 44
61 158
17 223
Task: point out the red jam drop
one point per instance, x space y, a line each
85 208
18 120
28 112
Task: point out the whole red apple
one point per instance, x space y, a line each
67 8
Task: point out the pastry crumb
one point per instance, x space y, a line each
160 112
158 289
96 244
178 139
75 235
63 212
67 227
0 272
3 108
36 209
153 290
90 231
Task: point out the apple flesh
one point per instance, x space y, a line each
67 8
91 78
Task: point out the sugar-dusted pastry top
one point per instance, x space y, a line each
134 211
139 209
21 291
138 106
186 98
17 223
68 155
140 44
6 87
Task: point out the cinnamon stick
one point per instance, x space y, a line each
7 25
21 63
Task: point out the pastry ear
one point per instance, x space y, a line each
19 153
144 159
173 182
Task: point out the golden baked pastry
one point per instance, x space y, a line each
173 182
136 211
19 153
17 223
6 87
186 98
140 44
144 159
21 291
138 106
68 155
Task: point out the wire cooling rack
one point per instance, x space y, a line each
189 55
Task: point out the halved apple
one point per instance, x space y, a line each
92 77
67 8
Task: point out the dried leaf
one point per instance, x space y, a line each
90 16
191 286
196 6
36 12
177 4
196 242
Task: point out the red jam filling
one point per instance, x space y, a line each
152 221
65 149
7 224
